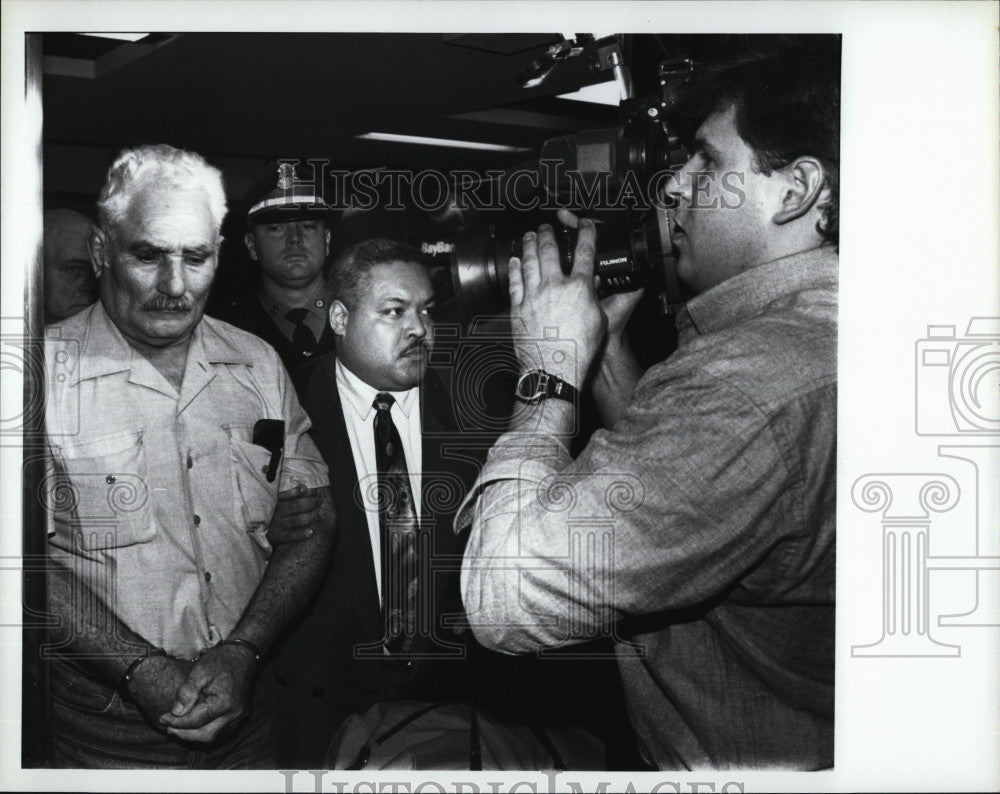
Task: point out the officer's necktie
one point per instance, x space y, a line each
302 337
398 526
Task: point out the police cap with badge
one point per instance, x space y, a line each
288 193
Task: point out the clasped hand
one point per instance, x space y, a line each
214 696
195 701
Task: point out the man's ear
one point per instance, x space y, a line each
339 315
97 247
805 180
251 247
327 250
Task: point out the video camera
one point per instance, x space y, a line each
616 176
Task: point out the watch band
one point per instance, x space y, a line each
537 385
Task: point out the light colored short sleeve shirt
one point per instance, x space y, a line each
161 499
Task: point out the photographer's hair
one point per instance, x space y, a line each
787 105
160 165
350 270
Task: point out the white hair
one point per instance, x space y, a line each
162 166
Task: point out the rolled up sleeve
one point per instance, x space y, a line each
661 514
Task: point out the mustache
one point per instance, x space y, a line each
419 345
165 304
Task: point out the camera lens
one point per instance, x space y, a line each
480 259
479 271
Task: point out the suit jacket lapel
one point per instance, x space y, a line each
353 551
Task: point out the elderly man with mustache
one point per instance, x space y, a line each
171 435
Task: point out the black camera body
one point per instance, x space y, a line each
616 176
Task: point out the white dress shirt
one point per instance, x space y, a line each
356 398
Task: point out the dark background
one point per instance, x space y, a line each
244 100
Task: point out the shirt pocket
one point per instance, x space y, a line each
101 498
254 498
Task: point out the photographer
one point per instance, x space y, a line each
716 469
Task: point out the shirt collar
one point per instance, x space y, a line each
106 351
360 396
747 294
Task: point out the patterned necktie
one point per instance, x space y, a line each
302 337
398 525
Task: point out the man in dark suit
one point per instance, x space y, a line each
385 624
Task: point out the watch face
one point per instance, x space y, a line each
531 386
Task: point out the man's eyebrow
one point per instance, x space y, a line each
701 144
146 249
406 301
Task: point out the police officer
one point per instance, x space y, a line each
288 235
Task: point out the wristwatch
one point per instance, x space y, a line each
537 385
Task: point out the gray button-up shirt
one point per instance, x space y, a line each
699 533
161 498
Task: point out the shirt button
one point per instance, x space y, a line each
208 576
110 479
197 519
318 693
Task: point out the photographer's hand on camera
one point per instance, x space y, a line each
617 370
557 320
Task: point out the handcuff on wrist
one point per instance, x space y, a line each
129 673
240 643
537 385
